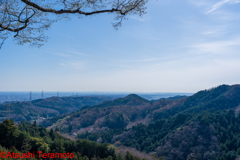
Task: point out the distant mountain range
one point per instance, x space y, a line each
133 109
40 109
25 96
50 107
127 111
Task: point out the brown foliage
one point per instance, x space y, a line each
123 150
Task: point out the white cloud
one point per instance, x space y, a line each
217 47
221 3
66 53
200 3
76 52
141 60
75 65
214 30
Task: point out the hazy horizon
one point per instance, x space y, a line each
25 96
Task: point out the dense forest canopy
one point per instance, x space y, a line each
202 127
27 137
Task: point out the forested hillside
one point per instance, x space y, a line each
219 98
132 110
27 137
205 127
50 107
120 113
207 135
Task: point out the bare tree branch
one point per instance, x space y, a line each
62 11
2 43
26 20
21 28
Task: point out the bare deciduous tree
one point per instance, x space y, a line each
26 20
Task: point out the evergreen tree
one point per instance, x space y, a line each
57 129
35 124
26 146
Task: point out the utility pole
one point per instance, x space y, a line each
30 95
57 94
42 94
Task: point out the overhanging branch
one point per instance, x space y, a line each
62 11
20 28
23 24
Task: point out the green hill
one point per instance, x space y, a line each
27 137
202 126
50 107
132 99
131 110
219 98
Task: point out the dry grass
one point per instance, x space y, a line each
67 136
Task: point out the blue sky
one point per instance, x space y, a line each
178 46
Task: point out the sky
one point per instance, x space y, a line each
177 46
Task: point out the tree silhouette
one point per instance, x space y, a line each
26 20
